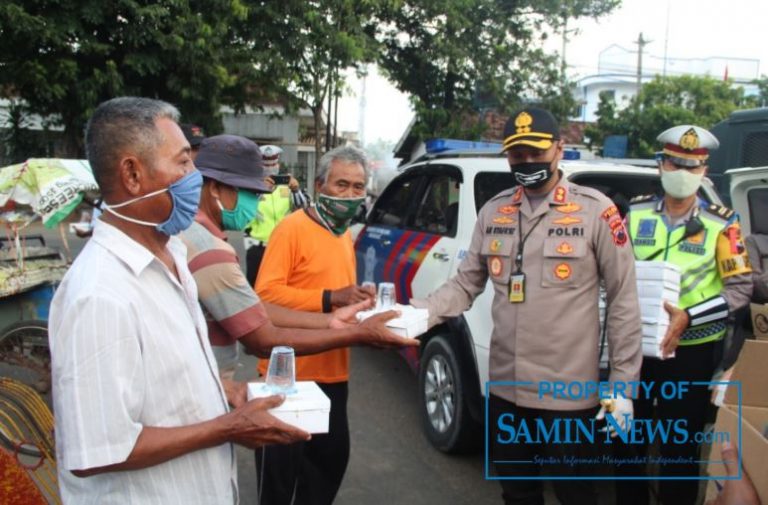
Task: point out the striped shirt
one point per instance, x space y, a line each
130 349
230 305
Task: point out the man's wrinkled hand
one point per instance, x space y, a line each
678 322
252 426
293 184
350 295
236 392
378 335
345 317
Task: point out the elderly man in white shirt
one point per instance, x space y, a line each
141 416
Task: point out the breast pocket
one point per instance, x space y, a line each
564 262
497 251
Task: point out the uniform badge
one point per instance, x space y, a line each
563 271
496 266
523 123
568 208
495 245
560 194
518 195
608 213
503 220
507 209
567 220
619 236
564 248
697 239
689 140
646 228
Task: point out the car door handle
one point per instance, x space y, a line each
441 256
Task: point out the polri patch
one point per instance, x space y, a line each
496 266
563 271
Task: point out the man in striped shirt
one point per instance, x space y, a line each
233 173
140 413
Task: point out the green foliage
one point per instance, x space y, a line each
457 56
64 57
661 104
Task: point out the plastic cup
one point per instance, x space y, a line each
281 371
386 297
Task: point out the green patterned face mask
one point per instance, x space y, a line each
337 213
245 210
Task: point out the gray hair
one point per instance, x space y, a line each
120 124
349 154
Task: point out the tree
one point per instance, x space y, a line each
457 56
320 40
663 103
63 58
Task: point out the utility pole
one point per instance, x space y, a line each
641 43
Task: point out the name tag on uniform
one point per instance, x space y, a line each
517 288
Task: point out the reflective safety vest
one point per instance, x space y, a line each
272 208
704 258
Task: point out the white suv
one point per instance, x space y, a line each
416 235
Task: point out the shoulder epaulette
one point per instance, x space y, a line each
507 192
720 211
642 199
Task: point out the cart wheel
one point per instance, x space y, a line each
24 354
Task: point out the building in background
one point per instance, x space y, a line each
617 75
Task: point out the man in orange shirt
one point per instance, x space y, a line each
310 265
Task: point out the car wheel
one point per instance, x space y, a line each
447 422
25 354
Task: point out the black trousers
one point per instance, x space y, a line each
691 363
531 492
308 473
253 257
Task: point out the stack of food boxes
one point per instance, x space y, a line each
657 282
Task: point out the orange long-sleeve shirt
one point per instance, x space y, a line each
302 260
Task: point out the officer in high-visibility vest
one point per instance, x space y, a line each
272 208
704 241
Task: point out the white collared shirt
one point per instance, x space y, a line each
130 349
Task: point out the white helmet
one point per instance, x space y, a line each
271 156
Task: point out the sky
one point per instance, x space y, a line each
688 29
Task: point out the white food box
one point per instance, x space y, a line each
657 282
657 271
307 409
658 290
653 350
411 323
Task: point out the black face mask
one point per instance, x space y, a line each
532 175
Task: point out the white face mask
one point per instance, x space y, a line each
680 183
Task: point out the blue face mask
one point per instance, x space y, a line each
185 195
245 210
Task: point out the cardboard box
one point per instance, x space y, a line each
760 320
307 409
750 371
411 323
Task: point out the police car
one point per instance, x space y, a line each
415 236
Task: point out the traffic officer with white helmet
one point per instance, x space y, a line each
546 245
286 197
704 241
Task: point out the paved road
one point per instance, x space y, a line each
391 461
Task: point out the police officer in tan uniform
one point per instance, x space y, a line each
546 245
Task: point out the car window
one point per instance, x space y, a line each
621 188
490 184
438 210
757 199
394 205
